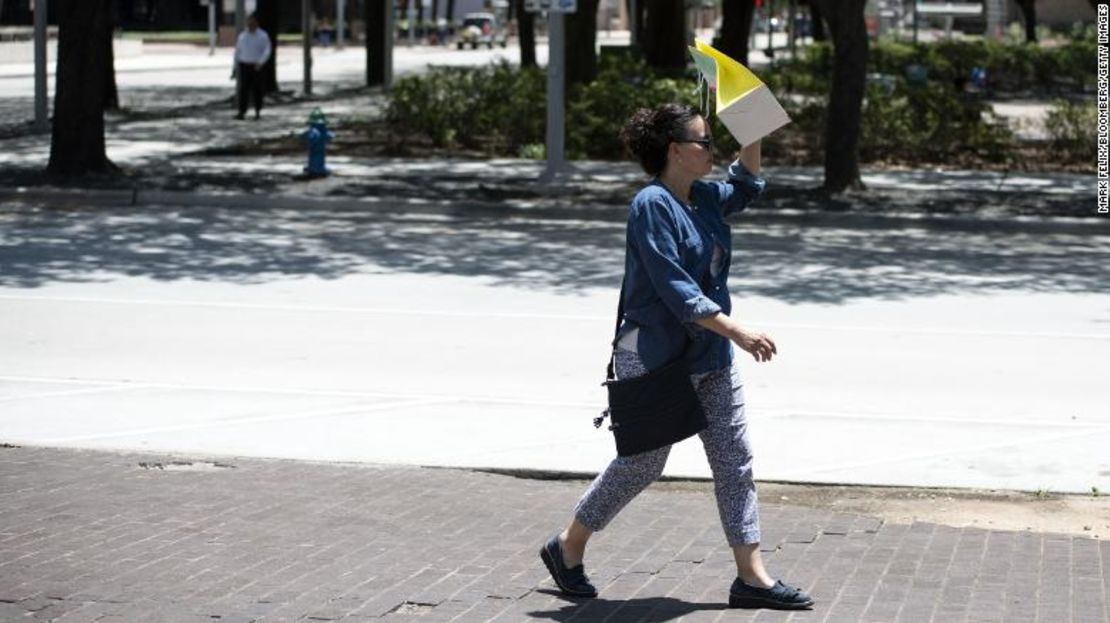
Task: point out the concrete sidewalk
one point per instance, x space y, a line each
94 536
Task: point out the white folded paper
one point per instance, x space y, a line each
744 104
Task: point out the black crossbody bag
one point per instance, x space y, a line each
653 410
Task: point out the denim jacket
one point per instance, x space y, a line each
668 279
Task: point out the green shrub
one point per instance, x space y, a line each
1010 67
494 108
931 123
1076 63
500 109
533 151
1071 128
809 73
597 111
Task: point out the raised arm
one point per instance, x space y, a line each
750 156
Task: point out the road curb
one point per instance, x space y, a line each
471 207
71 196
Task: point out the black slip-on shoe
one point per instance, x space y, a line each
781 596
572 581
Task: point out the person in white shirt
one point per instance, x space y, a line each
252 50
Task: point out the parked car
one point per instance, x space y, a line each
481 29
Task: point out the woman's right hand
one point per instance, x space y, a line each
760 345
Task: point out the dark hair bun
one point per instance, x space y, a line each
649 131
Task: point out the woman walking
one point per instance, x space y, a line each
677 304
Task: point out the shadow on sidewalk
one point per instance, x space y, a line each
636 609
794 260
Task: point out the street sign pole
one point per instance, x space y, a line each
411 13
634 24
41 120
306 40
211 28
340 11
556 70
240 16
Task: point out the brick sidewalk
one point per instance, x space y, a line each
94 536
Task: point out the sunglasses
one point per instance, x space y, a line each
706 142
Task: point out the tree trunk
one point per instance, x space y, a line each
736 28
77 138
451 15
664 42
111 93
419 18
1029 14
817 21
268 13
435 20
842 130
376 42
581 47
636 18
526 21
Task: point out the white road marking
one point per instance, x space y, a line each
542 316
476 399
77 392
298 308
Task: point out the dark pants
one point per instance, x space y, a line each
250 84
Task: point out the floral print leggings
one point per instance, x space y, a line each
726 446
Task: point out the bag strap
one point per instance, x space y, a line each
610 373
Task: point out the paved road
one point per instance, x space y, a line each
911 354
87 536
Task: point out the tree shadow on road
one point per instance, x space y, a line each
797 260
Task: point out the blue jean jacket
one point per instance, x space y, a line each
669 281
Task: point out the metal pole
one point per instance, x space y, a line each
340 11
240 16
770 30
390 35
211 27
790 25
306 37
915 21
556 61
41 122
634 22
412 21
